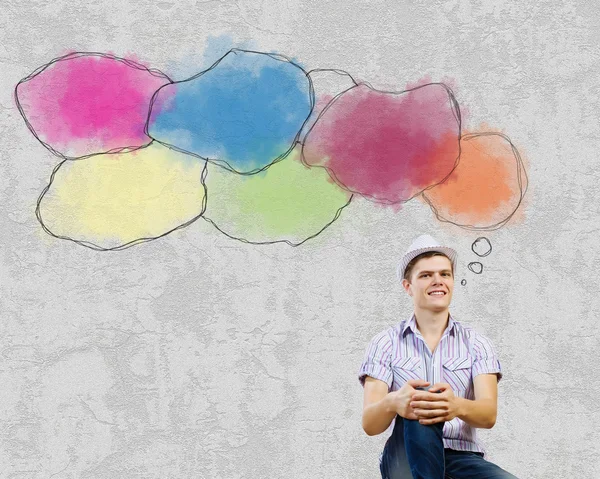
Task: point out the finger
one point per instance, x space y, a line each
425 396
429 413
441 387
418 383
412 415
428 422
442 405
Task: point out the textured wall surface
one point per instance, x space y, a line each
200 356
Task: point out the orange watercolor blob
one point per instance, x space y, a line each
487 186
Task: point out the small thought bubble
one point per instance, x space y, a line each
476 267
481 247
463 282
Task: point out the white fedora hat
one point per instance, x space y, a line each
423 244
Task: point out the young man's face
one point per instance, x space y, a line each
431 284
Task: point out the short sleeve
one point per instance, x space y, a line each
485 360
377 360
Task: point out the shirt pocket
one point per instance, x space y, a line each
457 372
405 369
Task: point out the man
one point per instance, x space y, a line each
437 378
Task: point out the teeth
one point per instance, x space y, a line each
438 293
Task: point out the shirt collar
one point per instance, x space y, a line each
411 325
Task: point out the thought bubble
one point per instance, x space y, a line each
83 104
243 113
110 202
487 186
476 267
281 168
481 247
387 146
288 202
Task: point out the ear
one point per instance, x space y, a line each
406 286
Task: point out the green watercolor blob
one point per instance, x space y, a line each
287 201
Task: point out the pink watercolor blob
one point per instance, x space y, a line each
387 147
86 103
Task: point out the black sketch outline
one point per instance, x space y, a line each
223 163
290 243
454 106
299 140
243 240
481 238
474 264
129 244
71 56
304 132
522 181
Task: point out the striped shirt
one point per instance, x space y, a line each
400 353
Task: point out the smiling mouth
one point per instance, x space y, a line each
437 293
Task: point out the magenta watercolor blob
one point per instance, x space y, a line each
83 104
387 146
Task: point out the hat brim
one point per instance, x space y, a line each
408 257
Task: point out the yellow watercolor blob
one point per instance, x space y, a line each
108 201
286 202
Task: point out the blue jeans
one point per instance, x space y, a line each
415 451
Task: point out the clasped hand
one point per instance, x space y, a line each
424 406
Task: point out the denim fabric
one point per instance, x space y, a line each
415 451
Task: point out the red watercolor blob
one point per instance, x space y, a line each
387 147
83 103
487 186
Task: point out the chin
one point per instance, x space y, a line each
438 308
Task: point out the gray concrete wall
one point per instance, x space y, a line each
200 356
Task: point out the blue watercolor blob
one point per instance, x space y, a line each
242 113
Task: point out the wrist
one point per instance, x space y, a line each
388 403
461 406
